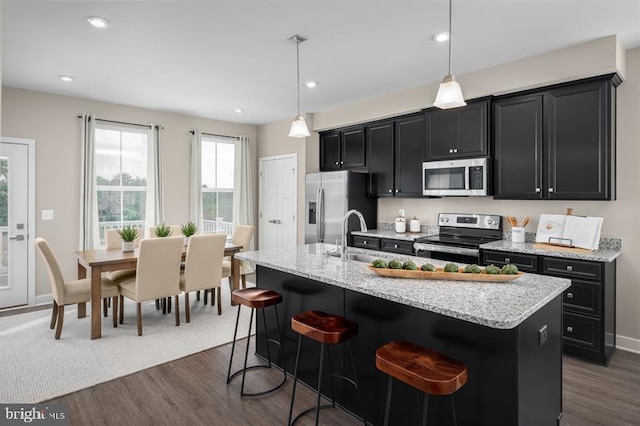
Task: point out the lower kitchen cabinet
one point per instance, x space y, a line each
383 244
371 243
588 306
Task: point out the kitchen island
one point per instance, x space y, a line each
508 334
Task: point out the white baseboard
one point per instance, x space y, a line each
628 344
43 298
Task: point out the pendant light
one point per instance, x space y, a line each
449 93
299 126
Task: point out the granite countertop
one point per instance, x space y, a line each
382 233
496 305
600 255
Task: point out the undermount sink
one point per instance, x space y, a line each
354 256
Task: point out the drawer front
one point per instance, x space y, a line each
572 268
524 262
371 243
396 246
582 297
582 331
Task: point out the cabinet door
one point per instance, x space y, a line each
440 142
353 148
517 161
330 150
471 131
577 143
410 151
380 152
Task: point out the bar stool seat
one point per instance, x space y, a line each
424 369
256 298
326 329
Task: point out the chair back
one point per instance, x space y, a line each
114 241
158 270
203 265
53 269
242 235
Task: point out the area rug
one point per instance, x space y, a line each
35 367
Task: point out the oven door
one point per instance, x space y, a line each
455 178
447 253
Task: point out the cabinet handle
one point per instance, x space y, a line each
569 268
450 151
570 329
455 149
569 295
336 163
550 190
507 260
395 246
391 190
342 162
364 242
537 189
397 190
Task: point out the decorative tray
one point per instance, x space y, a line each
439 274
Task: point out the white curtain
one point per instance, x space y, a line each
243 185
195 180
154 211
89 232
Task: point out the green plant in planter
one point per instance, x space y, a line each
128 233
163 230
188 229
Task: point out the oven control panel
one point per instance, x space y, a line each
466 220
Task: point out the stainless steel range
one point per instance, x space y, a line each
460 237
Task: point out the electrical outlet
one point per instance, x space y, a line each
542 335
47 214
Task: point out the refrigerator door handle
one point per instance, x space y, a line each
320 215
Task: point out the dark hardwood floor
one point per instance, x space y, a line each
192 391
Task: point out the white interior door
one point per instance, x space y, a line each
278 201
14 223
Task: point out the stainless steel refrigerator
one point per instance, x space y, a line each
329 195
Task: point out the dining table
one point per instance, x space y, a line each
98 261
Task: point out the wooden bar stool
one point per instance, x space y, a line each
327 329
256 298
425 369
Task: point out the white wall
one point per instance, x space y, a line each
52 121
593 58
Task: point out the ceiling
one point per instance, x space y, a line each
205 58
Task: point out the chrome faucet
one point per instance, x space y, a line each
345 229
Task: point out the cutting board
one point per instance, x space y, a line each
551 247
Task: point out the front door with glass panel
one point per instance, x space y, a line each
14 196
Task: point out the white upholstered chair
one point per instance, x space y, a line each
203 267
157 275
70 292
114 241
242 235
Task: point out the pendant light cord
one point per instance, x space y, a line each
450 36
298 71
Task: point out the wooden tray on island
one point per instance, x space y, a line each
439 274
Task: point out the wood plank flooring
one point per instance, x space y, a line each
192 391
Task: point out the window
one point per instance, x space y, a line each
121 175
217 184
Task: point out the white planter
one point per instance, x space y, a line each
186 240
127 246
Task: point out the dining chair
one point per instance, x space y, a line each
157 275
114 241
71 292
176 231
203 267
242 235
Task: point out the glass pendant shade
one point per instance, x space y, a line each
299 128
449 94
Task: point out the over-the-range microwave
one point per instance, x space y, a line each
467 177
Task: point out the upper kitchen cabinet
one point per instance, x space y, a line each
395 149
342 149
557 142
458 132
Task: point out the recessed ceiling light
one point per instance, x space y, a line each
67 78
98 22
441 37
311 84
238 110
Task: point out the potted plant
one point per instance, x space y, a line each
128 235
163 230
188 229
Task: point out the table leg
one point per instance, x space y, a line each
235 274
96 298
82 307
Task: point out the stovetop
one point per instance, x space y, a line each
456 240
465 230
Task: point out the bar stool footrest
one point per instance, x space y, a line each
310 410
253 367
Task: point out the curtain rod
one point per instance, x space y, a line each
124 122
213 134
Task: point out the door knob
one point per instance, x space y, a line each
18 237
273 221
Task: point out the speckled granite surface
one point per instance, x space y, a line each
496 305
600 255
383 233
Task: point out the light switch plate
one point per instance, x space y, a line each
47 214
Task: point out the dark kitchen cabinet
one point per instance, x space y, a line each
342 148
557 142
588 306
395 149
458 132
